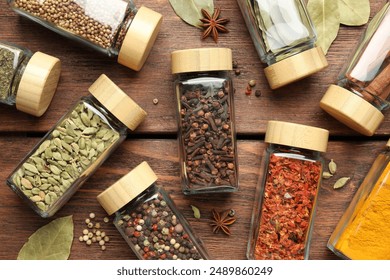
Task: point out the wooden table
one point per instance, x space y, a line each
155 140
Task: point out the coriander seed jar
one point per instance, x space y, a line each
75 147
148 219
114 27
284 38
206 131
363 232
363 87
286 195
27 80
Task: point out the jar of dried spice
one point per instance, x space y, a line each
114 27
286 195
363 233
207 139
75 147
363 87
148 219
27 80
284 38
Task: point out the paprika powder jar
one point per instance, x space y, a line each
286 194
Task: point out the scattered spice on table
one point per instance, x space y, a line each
155 101
94 232
257 93
213 24
221 221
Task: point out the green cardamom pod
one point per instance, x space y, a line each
326 175
332 167
341 182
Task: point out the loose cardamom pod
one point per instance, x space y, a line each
341 182
326 175
332 167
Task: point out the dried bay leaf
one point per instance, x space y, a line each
326 19
354 12
50 242
196 212
190 10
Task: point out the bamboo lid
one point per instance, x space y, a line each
117 102
204 59
296 67
127 188
297 135
140 38
351 110
38 84
388 143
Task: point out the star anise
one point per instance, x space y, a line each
221 221
213 24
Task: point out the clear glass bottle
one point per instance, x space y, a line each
148 219
363 87
75 147
207 136
113 27
284 38
363 232
27 80
286 195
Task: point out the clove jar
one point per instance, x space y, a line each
284 38
27 80
207 137
148 219
114 27
363 87
75 147
363 232
286 195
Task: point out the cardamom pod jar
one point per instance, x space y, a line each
286 195
363 87
114 27
148 219
284 38
75 147
27 80
363 231
207 136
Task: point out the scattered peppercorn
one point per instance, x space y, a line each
257 93
237 72
155 101
93 234
252 83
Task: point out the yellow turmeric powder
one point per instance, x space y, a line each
367 236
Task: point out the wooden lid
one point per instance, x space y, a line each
117 102
351 110
38 84
140 38
204 59
388 143
297 135
127 188
296 67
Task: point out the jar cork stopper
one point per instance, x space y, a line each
295 67
140 38
117 102
38 84
297 135
127 188
202 59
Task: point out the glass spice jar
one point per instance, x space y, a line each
363 87
284 38
75 147
113 27
363 232
286 195
27 80
207 136
148 219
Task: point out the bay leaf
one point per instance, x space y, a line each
354 12
50 242
326 19
196 212
190 10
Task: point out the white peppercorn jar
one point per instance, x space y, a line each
75 147
363 87
114 27
27 80
206 129
284 38
148 219
286 194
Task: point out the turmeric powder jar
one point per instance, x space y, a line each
363 87
363 232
